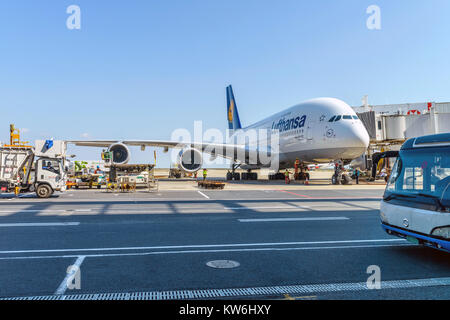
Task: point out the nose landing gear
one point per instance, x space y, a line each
340 176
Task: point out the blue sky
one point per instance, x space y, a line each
139 69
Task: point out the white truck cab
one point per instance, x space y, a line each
40 169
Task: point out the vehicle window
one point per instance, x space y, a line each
337 118
424 171
52 166
347 117
355 117
413 179
332 119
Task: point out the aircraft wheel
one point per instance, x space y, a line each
334 179
346 179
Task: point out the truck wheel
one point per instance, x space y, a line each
44 191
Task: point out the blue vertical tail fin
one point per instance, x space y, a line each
234 122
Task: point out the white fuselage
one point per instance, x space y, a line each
305 132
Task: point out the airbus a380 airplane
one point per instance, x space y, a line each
316 131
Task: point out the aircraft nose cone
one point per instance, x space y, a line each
362 138
356 141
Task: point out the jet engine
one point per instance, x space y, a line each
190 160
120 153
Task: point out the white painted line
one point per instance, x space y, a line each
278 207
63 286
203 194
211 251
294 219
277 291
207 246
56 201
44 224
35 210
47 210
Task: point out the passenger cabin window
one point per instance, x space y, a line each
347 117
332 119
337 118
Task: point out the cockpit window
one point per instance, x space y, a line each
337 118
355 117
332 119
347 117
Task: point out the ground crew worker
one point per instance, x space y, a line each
296 167
357 175
286 176
205 173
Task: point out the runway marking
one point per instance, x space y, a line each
300 195
44 224
134 200
294 219
45 210
343 198
277 207
63 286
207 246
203 194
35 210
108 255
187 210
286 291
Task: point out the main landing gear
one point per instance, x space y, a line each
233 175
277 176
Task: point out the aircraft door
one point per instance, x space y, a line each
310 131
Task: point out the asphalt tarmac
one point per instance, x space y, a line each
277 244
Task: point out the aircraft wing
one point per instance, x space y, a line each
95 143
225 150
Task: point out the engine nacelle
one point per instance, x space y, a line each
120 153
190 160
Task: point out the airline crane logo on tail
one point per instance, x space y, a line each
230 111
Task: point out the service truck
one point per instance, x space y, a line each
41 169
